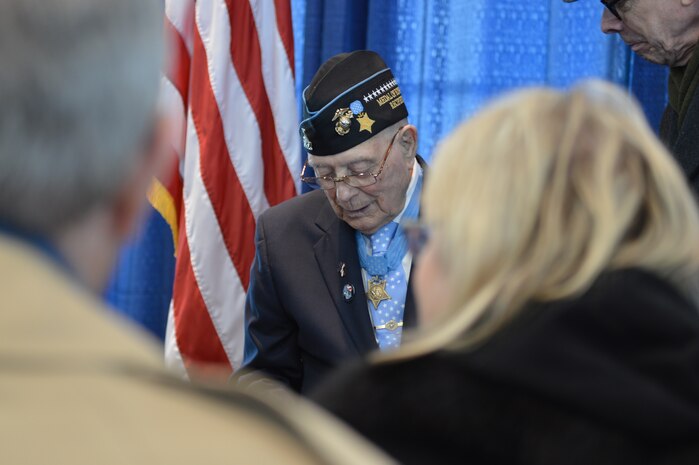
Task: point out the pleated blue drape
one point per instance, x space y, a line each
142 284
450 57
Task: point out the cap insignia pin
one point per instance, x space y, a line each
363 119
306 141
365 123
344 119
356 107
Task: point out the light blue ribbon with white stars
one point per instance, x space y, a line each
381 265
386 261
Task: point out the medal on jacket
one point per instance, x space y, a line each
377 291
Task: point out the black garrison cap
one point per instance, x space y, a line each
351 98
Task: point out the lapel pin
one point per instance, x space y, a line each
348 292
341 269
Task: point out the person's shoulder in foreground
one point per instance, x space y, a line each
535 393
567 331
81 386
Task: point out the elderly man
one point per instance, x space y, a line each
79 143
330 277
666 32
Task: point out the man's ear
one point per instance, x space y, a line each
130 201
408 141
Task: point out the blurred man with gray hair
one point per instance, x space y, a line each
666 32
80 140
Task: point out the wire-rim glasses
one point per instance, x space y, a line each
354 180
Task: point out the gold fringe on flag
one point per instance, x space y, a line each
161 199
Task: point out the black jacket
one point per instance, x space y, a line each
683 142
607 378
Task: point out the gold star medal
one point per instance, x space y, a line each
377 291
365 123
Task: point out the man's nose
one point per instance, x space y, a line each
343 191
611 24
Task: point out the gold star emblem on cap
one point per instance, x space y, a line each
365 123
377 291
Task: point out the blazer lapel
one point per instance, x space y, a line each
410 311
335 247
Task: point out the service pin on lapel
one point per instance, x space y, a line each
348 292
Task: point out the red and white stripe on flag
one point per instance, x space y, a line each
230 86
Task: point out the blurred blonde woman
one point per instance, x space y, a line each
557 292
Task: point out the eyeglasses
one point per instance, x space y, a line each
417 234
611 6
354 180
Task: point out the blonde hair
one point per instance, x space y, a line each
535 197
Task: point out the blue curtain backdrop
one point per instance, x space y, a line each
142 283
450 57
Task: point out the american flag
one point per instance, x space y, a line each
230 86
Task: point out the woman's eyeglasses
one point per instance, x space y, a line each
417 234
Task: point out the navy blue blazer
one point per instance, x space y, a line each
298 325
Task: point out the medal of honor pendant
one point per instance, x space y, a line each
377 291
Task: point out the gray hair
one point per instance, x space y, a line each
78 91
